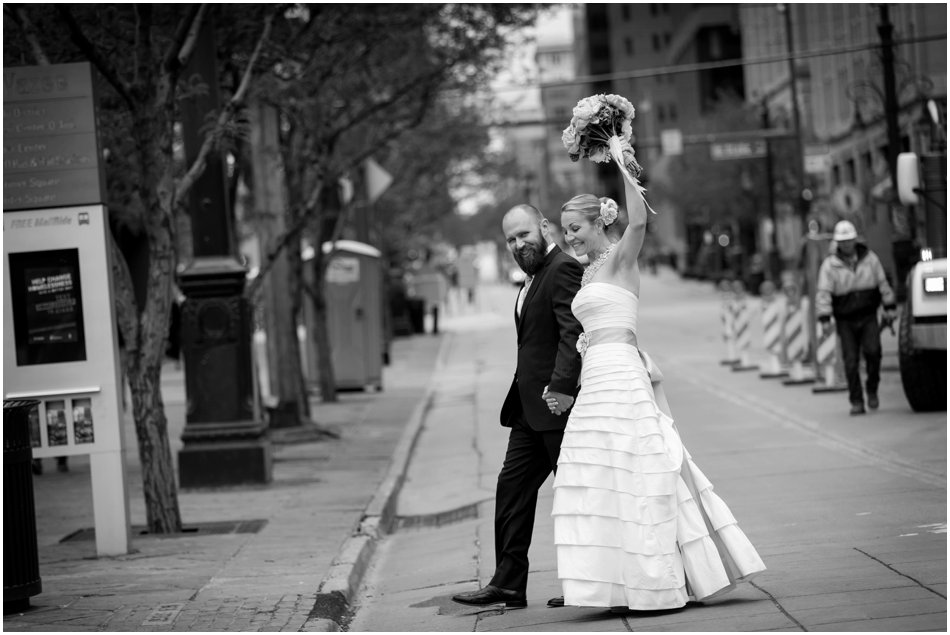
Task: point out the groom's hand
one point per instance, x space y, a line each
557 402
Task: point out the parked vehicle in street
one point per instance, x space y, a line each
922 340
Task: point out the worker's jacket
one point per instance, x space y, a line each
852 292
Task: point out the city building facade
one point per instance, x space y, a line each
840 70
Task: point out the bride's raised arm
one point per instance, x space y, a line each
631 241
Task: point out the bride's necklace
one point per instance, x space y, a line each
594 266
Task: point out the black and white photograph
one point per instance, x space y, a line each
475 317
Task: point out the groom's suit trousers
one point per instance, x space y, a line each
530 458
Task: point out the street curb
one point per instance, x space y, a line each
342 582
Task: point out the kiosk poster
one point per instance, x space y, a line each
56 423
47 307
83 430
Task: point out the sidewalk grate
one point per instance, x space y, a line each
192 529
164 614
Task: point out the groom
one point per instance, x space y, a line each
541 393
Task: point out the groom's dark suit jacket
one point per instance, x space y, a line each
547 340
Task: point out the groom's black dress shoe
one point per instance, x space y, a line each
492 595
556 602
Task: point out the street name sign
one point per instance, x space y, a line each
729 150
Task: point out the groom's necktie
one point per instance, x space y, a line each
524 293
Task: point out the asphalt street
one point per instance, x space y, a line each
848 513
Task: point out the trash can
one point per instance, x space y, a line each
21 563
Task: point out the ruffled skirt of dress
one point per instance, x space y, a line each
636 523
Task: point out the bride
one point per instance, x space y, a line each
636 523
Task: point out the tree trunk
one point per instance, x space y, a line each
295 294
321 325
151 428
281 287
153 135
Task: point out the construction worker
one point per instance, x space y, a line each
851 287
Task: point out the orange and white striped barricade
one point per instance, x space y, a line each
796 343
827 359
742 310
773 310
727 319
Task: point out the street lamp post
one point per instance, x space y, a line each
801 201
222 443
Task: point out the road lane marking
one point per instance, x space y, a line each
883 459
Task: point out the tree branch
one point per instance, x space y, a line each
188 45
267 264
26 25
92 54
143 43
185 29
210 140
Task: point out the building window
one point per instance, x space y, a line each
560 113
625 12
656 42
666 39
661 112
673 113
850 171
628 44
836 175
653 9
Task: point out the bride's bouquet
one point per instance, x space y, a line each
596 120
600 130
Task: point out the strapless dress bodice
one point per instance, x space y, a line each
601 305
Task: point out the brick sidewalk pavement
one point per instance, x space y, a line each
252 558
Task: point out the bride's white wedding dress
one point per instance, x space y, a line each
636 523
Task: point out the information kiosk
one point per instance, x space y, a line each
59 337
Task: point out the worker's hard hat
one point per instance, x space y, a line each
845 230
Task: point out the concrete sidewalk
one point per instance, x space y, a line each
275 557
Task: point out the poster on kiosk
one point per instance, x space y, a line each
60 344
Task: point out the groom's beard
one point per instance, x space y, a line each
531 257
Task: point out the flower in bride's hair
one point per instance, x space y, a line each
608 210
582 341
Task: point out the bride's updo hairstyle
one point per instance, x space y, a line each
586 205
592 208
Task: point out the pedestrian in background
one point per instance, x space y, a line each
851 286
430 284
548 367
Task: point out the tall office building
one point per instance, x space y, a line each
642 51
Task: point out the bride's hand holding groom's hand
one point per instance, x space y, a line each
557 402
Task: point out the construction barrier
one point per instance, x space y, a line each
773 308
742 322
727 317
826 357
795 337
